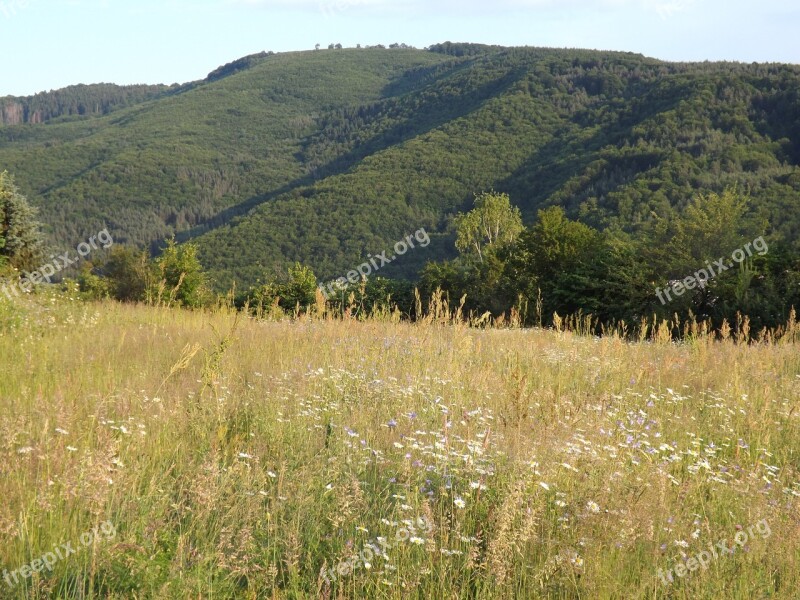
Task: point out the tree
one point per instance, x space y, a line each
181 276
301 289
20 232
128 272
711 226
298 288
487 233
562 260
556 244
493 222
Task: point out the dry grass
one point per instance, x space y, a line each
238 458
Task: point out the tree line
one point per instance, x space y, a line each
541 273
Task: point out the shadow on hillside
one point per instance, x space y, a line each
431 116
568 156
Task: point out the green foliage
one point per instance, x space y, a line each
180 274
93 286
556 244
559 259
296 291
491 224
456 49
175 277
559 265
321 157
712 225
241 64
126 276
374 296
77 101
21 242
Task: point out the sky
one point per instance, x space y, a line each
49 44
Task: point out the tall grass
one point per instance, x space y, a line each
244 458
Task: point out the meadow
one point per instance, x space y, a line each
235 457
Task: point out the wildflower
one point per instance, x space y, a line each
271 474
61 431
592 506
544 485
459 502
416 540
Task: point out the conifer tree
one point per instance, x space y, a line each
21 241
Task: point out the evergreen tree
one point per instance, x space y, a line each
21 241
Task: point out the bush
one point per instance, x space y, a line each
296 291
180 276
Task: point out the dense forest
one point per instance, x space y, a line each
326 157
75 101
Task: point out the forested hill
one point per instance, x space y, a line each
74 101
326 156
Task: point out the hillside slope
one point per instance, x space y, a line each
167 164
75 101
325 157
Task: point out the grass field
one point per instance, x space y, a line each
204 455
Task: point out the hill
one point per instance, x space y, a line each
75 101
325 157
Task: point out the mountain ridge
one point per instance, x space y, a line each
325 156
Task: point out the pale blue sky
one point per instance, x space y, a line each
48 44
